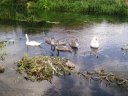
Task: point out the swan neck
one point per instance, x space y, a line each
27 38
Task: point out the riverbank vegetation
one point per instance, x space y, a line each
40 68
109 7
2 55
37 10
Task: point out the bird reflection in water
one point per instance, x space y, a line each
94 52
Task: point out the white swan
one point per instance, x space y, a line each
94 43
31 43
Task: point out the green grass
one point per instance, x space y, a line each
33 10
109 7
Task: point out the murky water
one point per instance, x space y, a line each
110 57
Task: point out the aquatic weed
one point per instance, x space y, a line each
39 68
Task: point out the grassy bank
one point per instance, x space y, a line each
106 7
37 10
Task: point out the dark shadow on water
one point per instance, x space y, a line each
75 51
70 87
82 87
67 84
98 91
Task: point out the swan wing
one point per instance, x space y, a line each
94 44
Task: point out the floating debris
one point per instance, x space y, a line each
39 68
109 78
2 44
2 52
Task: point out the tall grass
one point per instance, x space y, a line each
31 10
7 9
110 7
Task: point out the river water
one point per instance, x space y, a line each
111 36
